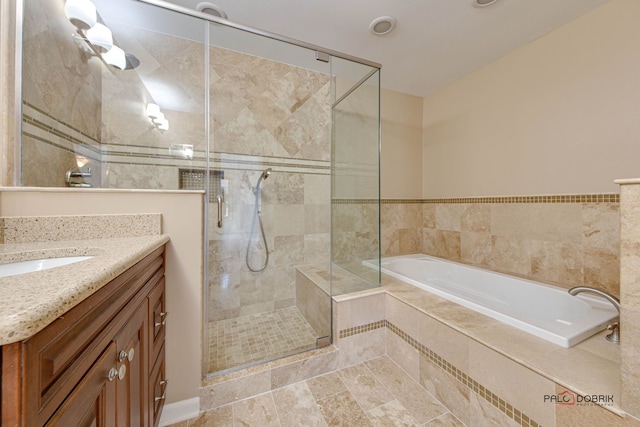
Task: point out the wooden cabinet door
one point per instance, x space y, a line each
93 401
157 320
157 389
133 387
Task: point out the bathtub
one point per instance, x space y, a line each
545 311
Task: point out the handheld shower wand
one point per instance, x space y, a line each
257 191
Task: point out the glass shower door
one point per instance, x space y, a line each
355 199
269 211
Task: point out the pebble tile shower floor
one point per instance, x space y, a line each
265 336
373 393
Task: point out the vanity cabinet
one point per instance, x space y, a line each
99 364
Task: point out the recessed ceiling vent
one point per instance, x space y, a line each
483 3
383 25
211 9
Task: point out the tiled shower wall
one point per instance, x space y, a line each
62 94
7 92
565 240
267 114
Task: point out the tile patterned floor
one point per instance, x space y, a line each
374 393
265 336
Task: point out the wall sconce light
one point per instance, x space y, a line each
81 13
98 38
157 117
115 57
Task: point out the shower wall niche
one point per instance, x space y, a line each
238 104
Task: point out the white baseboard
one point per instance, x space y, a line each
180 411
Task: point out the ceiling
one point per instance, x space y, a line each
435 42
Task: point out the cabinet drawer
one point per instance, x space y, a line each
157 389
58 357
157 320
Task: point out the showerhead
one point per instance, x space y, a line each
264 175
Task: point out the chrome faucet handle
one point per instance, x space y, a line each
614 336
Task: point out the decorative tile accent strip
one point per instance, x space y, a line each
566 198
499 403
33 115
402 201
354 201
364 328
47 129
253 162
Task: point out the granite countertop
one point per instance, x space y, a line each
32 301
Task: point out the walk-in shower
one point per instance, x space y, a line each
257 220
282 136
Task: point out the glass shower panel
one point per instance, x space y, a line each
88 121
355 209
269 210
144 148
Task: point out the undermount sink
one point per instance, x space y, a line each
22 267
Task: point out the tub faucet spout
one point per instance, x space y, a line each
614 336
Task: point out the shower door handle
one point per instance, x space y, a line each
219 199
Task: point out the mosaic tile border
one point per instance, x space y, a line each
513 413
354 201
361 329
559 198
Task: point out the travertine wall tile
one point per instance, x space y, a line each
483 413
505 378
404 354
7 92
402 316
233 390
443 340
304 369
446 388
630 296
361 347
569 243
475 248
560 263
590 415
630 343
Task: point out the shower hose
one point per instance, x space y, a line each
257 217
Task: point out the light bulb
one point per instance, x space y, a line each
163 124
100 36
81 13
116 57
153 110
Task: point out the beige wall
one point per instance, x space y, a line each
401 160
182 221
559 115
